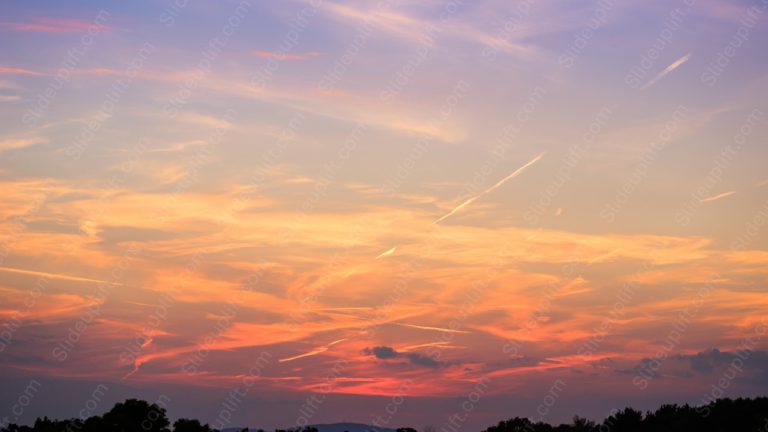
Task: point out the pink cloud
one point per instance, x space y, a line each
54 25
99 71
18 71
284 56
95 71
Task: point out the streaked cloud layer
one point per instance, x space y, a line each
337 195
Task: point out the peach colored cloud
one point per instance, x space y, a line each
319 282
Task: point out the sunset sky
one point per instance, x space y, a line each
377 211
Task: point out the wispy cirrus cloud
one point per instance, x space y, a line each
9 70
413 28
283 56
97 71
54 275
19 143
53 25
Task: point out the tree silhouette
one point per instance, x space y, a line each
722 415
628 419
188 425
516 424
135 415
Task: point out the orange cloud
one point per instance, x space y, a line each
52 275
322 283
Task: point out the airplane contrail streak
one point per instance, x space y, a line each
439 329
54 275
676 64
307 354
490 189
387 253
315 351
442 345
718 196
428 344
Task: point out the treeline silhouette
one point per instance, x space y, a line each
722 415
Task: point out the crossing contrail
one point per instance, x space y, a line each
490 189
437 329
315 351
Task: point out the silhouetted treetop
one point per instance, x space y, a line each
135 415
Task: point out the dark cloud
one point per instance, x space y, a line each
384 352
707 361
423 360
603 363
649 368
713 360
515 362
752 363
387 353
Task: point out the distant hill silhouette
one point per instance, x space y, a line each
331 427
722 415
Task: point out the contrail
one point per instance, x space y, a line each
428 344
442 345
387 253
308 354
717 197
148 342
676 64
54 275
490 189
439 329
315 351
136 367
137 362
